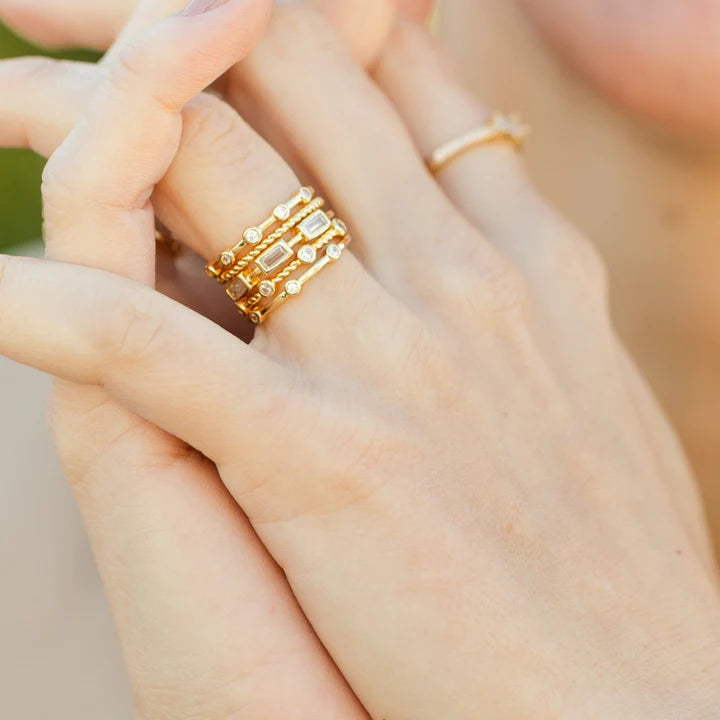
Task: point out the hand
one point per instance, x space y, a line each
207 622
485 491
62 23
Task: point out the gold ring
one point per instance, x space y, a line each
500 128
274 260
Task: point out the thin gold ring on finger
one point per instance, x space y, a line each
273 261
500 128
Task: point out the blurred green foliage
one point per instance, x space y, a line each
20 170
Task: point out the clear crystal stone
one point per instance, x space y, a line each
266 288
307 253
237 289
333 251
340 226
255 318
306 194
293 287
274 257
314 226
282 212
253 236
227 258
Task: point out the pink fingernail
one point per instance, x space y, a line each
198 7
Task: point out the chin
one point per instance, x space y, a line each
659 59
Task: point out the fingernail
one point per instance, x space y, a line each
198 7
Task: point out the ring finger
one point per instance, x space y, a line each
224 178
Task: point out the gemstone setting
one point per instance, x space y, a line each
266 288
313 226
293 287
307 253
252 235
227 258
333 251
238 288
282 212
273 258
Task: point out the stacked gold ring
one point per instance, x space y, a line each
275 259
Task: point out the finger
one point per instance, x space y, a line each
205 617
336 101
148 501
489 184
161 360
223 179
64 23
148 73
418 10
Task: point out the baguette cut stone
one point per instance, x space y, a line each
315 225
273 258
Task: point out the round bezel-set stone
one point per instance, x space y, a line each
252 235
293 287
227 258
282 212
307 253
333 251
255 318
306 194
340 226
266 288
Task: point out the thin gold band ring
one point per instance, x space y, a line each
500 128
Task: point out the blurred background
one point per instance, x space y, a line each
20 170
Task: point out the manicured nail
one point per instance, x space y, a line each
198 7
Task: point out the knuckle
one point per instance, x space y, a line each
594 267
301 24
213 133
492 284
131 329
128 73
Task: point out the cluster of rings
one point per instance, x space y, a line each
275 259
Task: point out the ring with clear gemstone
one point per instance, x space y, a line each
282 212
333 251
253 235
307 253
293 287
266 288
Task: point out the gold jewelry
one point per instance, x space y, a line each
500 128
275 259
165 240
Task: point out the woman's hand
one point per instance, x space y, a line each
476 502
208 624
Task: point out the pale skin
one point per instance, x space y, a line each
473 484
